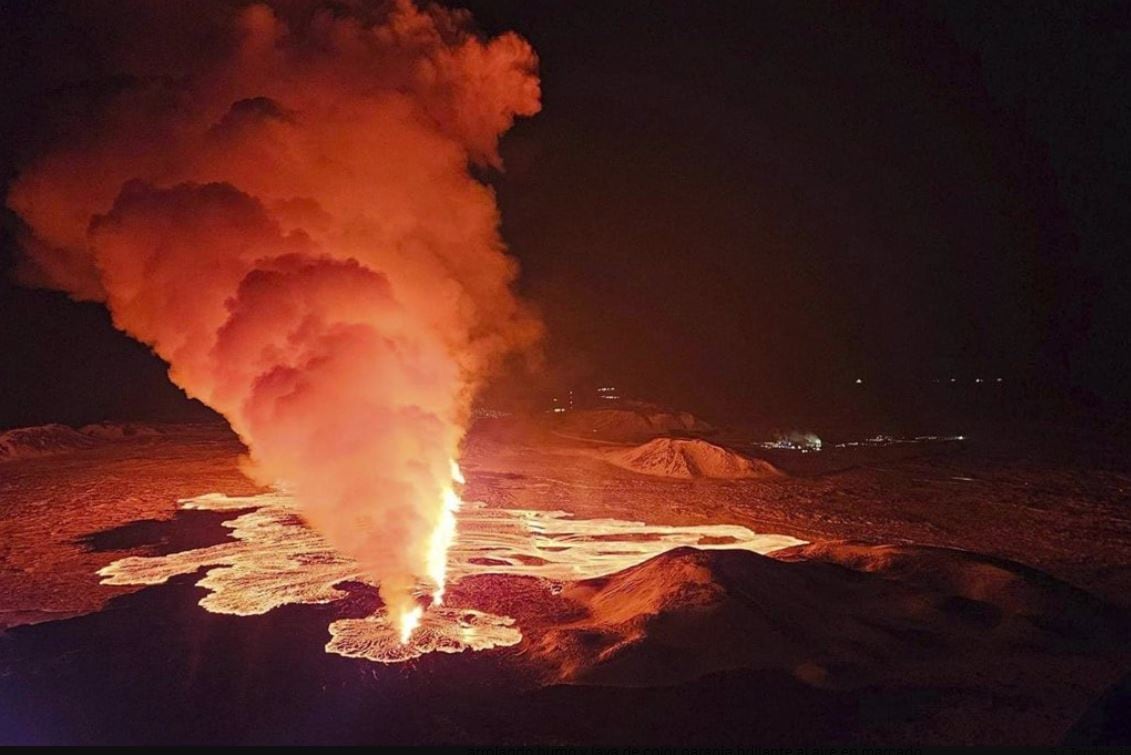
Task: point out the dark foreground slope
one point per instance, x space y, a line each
833 642
982 649
841 643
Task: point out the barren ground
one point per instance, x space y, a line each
851 647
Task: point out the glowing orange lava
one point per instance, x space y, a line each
441 542
409 621
274 559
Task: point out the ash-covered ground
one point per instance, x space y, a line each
946 591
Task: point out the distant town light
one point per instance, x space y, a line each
978 380
794 441
859 381
889 440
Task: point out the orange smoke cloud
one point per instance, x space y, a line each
289 222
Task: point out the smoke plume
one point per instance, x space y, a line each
283 211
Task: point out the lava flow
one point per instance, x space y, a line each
274 560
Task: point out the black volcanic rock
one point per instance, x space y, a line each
876 615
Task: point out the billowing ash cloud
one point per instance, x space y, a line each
288 219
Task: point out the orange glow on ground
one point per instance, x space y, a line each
275 560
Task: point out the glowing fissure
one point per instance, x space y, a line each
444 536
274 560
289 221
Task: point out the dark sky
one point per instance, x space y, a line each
729 205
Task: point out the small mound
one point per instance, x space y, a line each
47 440
30 442
686 459
119 430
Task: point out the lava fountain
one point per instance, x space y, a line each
276 199
444 535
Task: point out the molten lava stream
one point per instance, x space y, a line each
274 558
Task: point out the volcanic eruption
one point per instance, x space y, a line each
279 203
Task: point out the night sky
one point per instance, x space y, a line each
730 206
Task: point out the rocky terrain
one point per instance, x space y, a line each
959 593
